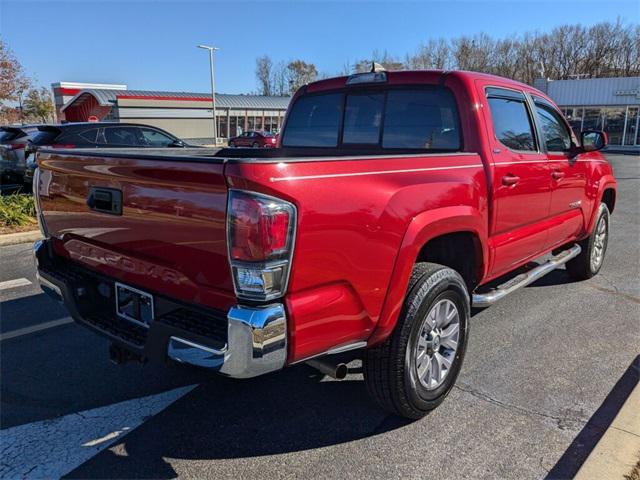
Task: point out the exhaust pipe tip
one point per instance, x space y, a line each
335 370
341 371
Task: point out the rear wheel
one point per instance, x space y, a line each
589 262
232 144
413 371
255 145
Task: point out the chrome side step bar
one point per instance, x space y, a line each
524 279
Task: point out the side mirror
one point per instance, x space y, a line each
177 143
593 140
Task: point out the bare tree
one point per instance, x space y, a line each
567 51
264 75
280 79
300 73
388 61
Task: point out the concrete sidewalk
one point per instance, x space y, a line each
20 237
618 450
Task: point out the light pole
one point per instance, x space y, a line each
20 106
213 90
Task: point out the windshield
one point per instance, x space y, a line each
6 136
396 118
44 137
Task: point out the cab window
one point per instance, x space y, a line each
155 138
512 123
555 132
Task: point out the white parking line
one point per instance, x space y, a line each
51 448
18 282
35 328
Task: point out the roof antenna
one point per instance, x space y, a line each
376 67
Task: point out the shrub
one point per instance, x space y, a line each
17 210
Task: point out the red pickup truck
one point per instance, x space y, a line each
394 202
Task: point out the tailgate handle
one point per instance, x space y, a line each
105 200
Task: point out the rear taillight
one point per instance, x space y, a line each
260 236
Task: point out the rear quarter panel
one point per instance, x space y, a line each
353 215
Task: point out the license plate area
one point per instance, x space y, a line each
134 305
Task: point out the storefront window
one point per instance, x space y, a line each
251 123
614 124
222 126
259 125
233 126
592 119
270 123
574 117
631 132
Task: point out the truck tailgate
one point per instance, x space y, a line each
170 236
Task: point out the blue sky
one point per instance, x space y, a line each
151 44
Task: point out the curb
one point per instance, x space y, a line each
617 451
20 237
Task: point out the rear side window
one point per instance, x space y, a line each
511 121
90 135
121 136
425 119
314 121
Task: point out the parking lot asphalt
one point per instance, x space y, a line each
541 367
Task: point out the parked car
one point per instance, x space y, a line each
395 202
13 140
254 139
97 135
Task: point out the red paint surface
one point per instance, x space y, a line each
69 92
161 97
361 221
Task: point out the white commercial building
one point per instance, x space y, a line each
609 104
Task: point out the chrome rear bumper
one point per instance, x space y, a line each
256 340
257 344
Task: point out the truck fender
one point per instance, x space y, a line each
606 182
423 228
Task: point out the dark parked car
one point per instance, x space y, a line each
254 139
13 140
96 135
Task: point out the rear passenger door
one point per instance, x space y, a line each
568 175
521 184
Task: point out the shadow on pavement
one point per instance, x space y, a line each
66 369
224 419
590 435
28 311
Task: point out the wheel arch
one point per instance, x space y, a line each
433 236
607 193
609 198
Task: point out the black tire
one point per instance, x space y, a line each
390 370
255 145
582 267
232 145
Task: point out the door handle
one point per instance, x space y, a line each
510 180
557 174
